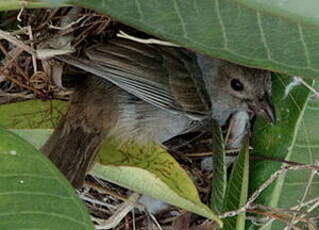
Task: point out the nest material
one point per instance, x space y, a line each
23 75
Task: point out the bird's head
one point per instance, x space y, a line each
234 88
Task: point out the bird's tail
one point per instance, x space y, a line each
76 140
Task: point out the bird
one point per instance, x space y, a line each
145 93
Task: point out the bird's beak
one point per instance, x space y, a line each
264 107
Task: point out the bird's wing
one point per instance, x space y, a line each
163 76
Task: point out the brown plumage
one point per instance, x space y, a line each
75 141
160 92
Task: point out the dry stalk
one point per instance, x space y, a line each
119 214
122 34
313 173
8 37
270 180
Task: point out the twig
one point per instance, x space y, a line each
104 190
274 216
230 127
133 219
67 26
122 34
119 214
7 36
23 4
309 202
261 188
298 218
266 158
308 86
155 221
283 213
7 76
60 45
14 53
23 95
34 58
313 173
95 201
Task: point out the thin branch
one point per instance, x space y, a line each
7 76
122 34
119 214
13 54
34 58
274 216
23 4
309 87
266 158
293 221
7 36
261 188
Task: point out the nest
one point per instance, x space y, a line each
27 72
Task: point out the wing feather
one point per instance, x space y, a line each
163 76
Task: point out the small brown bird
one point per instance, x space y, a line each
149 93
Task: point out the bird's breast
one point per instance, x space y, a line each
143 122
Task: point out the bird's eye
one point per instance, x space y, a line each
236 85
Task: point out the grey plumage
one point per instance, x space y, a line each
145 122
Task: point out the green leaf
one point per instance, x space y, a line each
219 180
294 137
32 114
33 193
36 137
282 37
17 4
237 189
293 10
33 120
150 170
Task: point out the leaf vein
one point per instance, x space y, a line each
263 37
139 10
34 193
304 44
176 7
221 22
43 213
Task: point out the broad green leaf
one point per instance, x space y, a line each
32 114
36 137
33 193
237 189
150 170
280 37
17 4
32 120
219 180
294 10
294 137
